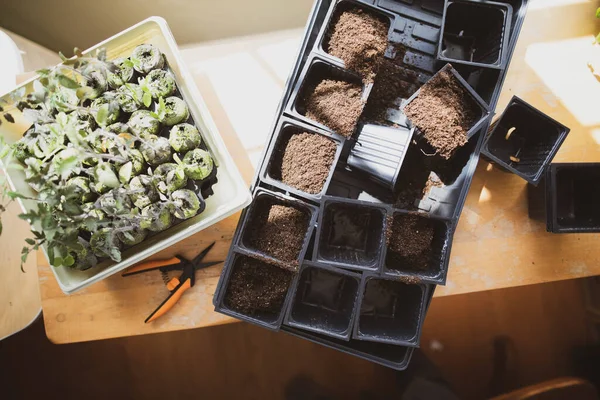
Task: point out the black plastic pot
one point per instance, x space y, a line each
391 311
573 197
267 319
524 140
379 152
324 300
336 8
350 234
484 113
475 33
316 70
435 271
286 128
267 198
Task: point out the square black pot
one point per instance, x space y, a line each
388 355
391 311
534 140
316 70
573 197
379 152
350 234
475 33
324 300
484 109
429 266
336 8
256 214
284 131
267 318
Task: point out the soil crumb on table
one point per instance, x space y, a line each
391 83
304 162
360 39
279 231
410 240
336 104
256 286
443 112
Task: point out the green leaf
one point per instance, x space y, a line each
58 261
30 241
43 72
598 12
68 261
154 115
85 92
147 99
102 115
25 250
0 227
64 166
67 82
598 38
62 56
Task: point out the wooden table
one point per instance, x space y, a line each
496 245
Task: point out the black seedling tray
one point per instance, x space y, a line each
475 33
436 271
572 197
350 234
379 152
324 300
413 46
388 355
534 140
390 311
269 320
269 198
316 70
483 106
285 129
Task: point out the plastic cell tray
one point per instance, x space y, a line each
413 35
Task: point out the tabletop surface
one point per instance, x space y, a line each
496 244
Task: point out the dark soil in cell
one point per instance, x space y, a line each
443 112
279 231
359 38
409 241
336 104
304 161
257 287
392 82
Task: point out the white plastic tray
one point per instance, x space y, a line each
230 193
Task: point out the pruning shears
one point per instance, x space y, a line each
178 285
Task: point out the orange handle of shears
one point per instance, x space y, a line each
170 302
151 265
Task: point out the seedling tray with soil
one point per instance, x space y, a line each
367 81
255 290
350 234
446 112
417 247
390 311
324 300
302 159
524 140
329 97
572 197
277 228
475 33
